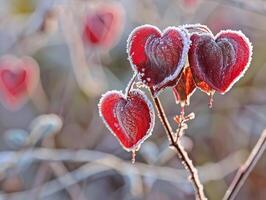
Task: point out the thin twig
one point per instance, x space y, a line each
246 168
182 154
198 27
258 7
131 83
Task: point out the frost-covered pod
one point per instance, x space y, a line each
158 57
221 60
130 118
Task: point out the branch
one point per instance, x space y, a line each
59 169
246 168
182 154
257 7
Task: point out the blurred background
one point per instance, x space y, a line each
70 154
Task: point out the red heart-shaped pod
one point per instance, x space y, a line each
103 25
158 57
221 60
18 79
130 118
185 87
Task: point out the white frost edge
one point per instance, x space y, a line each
129 47
186 42
196 25
152 115
242 35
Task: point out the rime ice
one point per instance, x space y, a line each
157 57
130 119
220 61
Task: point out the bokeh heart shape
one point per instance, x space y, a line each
103 25
19 77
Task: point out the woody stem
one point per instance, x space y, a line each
181 153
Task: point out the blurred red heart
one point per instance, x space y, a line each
158 58
130 119
221 60
104 24
185 87
18 78
188 4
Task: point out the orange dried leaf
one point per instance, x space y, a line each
185 87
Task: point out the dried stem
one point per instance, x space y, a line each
182 154
198 27
211 98
131 83
246 168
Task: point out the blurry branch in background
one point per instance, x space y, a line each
46 125
92 82
43 128
59 170
102 162
246 168
75 191
39 98
42 174
34 34
256 6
